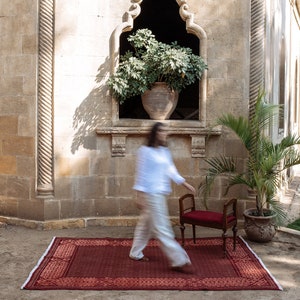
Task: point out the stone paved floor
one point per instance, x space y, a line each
21 248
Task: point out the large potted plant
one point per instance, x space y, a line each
153 65
265 166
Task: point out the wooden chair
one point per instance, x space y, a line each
223 221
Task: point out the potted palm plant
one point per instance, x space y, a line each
154 65
266 162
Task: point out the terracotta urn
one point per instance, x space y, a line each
259 228
160 101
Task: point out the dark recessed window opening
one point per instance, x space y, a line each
163 19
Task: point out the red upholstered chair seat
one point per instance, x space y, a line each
210 217
219 220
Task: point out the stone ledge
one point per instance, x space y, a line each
44 225
194 129
69 223
3 225
126 221
289 231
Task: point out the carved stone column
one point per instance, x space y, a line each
45 98
257 50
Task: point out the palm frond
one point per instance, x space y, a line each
281 212
239 125
265 113
289 141
242 179
218 165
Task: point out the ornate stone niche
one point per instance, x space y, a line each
120 128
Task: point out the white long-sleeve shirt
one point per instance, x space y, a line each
154 170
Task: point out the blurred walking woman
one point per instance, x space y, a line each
155 170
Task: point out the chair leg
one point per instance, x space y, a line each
182 228
194 234
234 230
224 236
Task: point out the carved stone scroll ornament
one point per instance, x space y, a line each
118 145
198 146
126 25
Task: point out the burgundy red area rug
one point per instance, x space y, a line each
103 264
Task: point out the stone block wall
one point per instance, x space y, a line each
88 182
18 84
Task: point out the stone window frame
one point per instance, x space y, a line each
121 128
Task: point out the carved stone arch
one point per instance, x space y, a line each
191 27
197 30
126 25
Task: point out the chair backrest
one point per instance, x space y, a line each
186 203
229 210
230 207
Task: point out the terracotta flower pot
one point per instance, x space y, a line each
259 228
160 101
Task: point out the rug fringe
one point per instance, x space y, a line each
262 263
38 263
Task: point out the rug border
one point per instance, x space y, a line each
46 252
262 264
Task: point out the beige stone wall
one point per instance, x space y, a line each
18 62
227 24
88 181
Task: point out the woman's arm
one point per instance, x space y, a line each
176 177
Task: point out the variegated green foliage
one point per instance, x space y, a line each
154 61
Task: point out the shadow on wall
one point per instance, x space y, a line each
88 115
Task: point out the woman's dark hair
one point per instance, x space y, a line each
152 140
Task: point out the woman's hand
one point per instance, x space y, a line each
189 187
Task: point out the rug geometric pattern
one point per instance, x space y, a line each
103 264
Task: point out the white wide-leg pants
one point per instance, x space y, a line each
154 221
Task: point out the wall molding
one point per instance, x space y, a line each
197 134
